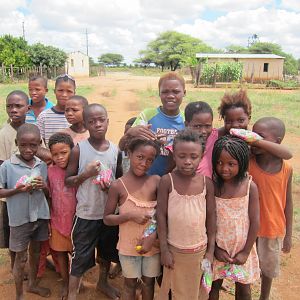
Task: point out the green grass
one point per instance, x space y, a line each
5 89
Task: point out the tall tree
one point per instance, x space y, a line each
13 51
48 56
171 49
111 59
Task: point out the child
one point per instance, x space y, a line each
162 122
135 195
186 220
235 110
37 87
199 117
85 161
28 210
273 177
237 210
73 112
63 203
53 119
125 158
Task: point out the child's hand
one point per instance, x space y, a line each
222 255
167 259
38 183
209 256
24 188
104 185
92 168
240 258
287 244
146 243
138 218
143 131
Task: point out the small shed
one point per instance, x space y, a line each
78 64
256 67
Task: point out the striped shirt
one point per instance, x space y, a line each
51 121
30 116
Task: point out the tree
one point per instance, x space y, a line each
171 49
236 49
14 51
290 65
48 56
111 59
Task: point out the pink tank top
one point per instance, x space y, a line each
130 232
186 220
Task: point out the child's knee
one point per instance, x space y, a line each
148 282
130 283
21 259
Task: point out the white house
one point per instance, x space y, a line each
78 64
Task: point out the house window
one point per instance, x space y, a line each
82 64
266 67
72 62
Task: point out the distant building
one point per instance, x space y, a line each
78 64
256 67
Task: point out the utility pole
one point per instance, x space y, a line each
23 30
87 42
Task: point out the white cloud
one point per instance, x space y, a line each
291 4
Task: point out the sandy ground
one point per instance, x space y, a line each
117 93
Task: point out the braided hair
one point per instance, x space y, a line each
238 149
188 135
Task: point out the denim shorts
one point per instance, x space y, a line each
138 266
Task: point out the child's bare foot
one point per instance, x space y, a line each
115 270
43 292
108 290
64 292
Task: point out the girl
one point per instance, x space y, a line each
135 194
186 219
237 209
199 117
73 113
162 122
63 203
235 110
53 119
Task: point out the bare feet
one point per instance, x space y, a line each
109 290
43 292
64 292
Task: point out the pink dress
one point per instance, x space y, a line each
232 232
77 137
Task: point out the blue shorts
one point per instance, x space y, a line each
138 266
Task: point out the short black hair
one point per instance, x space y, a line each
238 149
64 77
83 101
131 121
19 93
137 142
195 108
28 128
39 77
188 135
90 107
275 126
60 138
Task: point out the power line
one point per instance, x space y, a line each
87 42
23 29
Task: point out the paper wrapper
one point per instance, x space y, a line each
246 135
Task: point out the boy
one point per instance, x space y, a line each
86 159
28 211
161 123
273 177
37 88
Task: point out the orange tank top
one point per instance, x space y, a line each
186 219
131 232
272 189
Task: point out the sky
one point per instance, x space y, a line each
126 26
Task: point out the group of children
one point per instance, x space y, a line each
188 195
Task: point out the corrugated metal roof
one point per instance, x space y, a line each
236 55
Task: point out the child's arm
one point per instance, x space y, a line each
161 213
72 179
110 218
275 149
44 154
288 211
4 193
210 219
253 211
119 169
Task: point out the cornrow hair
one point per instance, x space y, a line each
60 138
65 78
188 135
137 142
197 107
235 100
238 149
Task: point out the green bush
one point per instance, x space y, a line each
279 84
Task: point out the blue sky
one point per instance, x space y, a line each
127 26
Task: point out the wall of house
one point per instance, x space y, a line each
77 64
257 69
